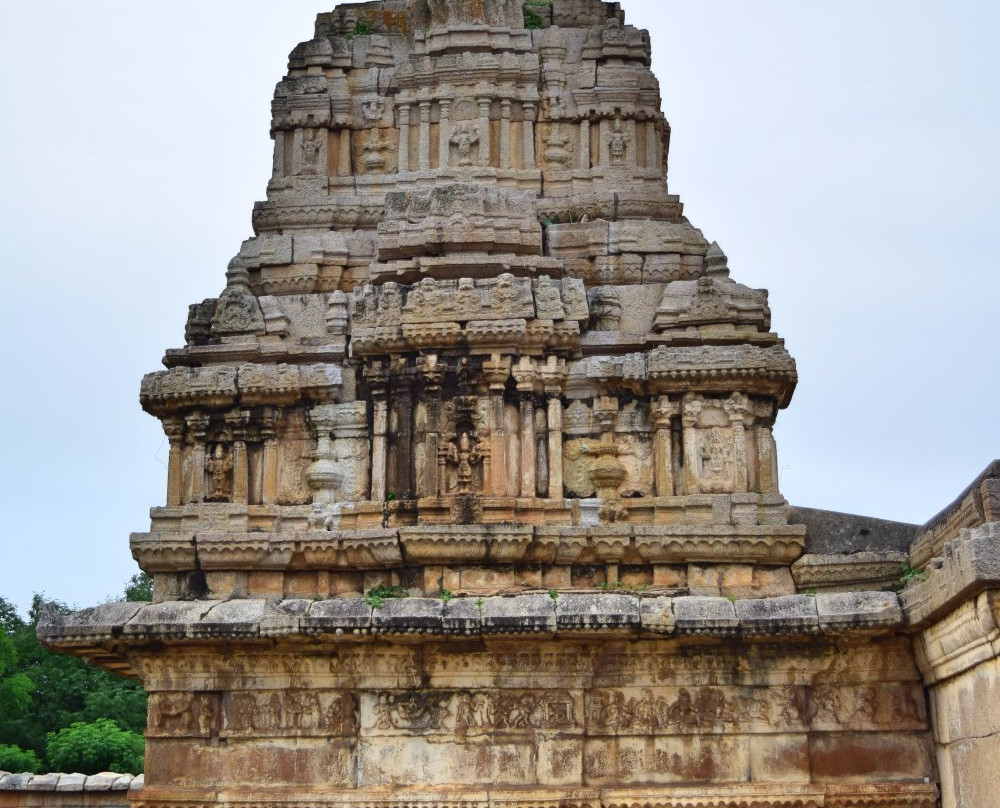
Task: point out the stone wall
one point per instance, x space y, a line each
953 605
105 790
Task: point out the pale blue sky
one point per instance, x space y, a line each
846 155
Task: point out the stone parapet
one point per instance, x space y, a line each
104 790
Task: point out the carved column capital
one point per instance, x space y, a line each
553 374
691 409
173 428
431 370
496 371
197 427
525 374
663 412
737 407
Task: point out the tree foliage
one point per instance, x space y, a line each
100 746
42 692
16 759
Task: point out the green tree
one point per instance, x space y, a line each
139 587
99 746
15 687
63 690
16 759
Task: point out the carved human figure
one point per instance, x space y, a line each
467 300
504 293
548 301
390 304
464 454
618 143
465 137
312 143
219 465
373 159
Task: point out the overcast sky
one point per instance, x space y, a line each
846 155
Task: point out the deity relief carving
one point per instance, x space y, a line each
219 471
470 713
618 141
176 714
312 146
290 712
692 710
463 139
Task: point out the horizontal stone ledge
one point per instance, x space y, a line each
541 613
210 549
716 795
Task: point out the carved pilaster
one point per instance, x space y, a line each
528 133
424 157
652 146
496 371
237 421
484 130
269 425
378 378
737 407
505 147
767 449
690 411
430 478
173 427
344 159
663 413
585 144
526 376
323 476
197 429
403 116
444 132
553 374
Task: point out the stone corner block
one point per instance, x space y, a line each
858 609
597 611
705 615
657 615
338 615
408 616
519 614
461 616
780 615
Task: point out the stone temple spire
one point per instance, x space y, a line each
476 354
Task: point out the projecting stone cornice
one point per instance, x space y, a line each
103 632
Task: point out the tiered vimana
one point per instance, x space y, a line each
472 494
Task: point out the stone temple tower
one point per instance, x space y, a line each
472 495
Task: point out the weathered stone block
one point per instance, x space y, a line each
407 615
698 615
342 614
599 611
792 613
519 614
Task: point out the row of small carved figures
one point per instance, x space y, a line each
688 710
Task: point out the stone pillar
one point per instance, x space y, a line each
632 152
403 116
525 374
197 429
737 408
237 421
662 415
278 164
378 378
585 144
652 146
484 131
505 152
528 132
553 374
344 161
351 447
603 132
270 420
173 427
690 410
424 158
444 132
496 371
432 375
401 474
767 450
